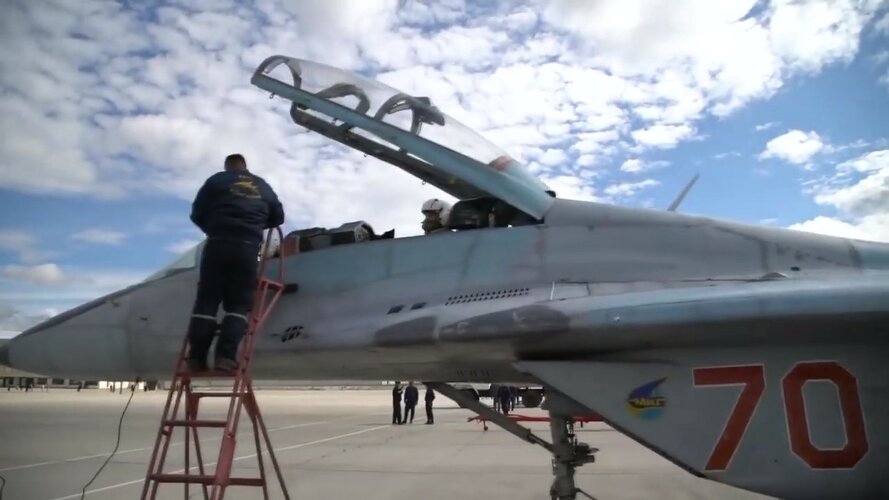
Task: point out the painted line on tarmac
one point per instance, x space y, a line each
277 450
134 450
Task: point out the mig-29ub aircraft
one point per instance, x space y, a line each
753 356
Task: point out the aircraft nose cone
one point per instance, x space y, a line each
4 356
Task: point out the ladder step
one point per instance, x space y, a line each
196 423
205 479
208 374
216 394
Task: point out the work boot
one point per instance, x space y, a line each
226 365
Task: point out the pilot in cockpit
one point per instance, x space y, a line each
435 214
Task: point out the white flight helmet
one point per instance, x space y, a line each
441 207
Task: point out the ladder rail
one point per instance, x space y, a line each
168 436
153 462
268 292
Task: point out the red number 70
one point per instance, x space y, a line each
753 379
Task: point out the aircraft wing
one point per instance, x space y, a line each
776 387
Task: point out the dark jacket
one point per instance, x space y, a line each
430 395
236 205
411 396
396 394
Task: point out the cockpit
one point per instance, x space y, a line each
409 132
406 131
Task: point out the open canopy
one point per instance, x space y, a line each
404 130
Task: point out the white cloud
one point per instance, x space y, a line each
49 285
882 25
635 165
734 57
729 154
868 162
868 195
629 189
765 126
871 228
662 136
14 319
860 192
553 157
22 243
100 236
808 35
572 188
46 274
632 165
795 146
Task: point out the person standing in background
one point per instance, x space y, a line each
430 396
411 397
396 403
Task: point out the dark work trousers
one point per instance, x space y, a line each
396 412
409 410
429 411
504 405
228 276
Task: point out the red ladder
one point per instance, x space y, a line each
267 294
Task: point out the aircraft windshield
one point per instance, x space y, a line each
187 260
489 171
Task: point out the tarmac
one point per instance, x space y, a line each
330 444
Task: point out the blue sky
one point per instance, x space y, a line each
112 117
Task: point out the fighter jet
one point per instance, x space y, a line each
753 356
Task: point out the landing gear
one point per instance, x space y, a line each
531 398
568 453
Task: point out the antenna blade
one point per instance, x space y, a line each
678 200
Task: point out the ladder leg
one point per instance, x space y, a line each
200 459
169 437
189 415
165 435
251 407
161 431
226 452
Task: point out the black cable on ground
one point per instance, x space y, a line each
116 445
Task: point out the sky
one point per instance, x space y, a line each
113 114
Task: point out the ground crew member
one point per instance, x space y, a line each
396 403
232 208
430 396
435 213
411 396
503 396
495 396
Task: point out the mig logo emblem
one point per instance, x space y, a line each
646 400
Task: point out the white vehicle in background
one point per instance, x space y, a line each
530 396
